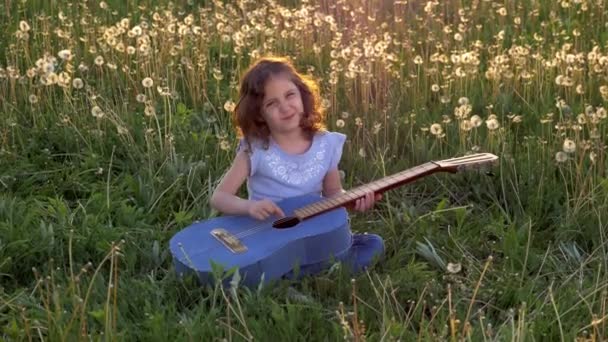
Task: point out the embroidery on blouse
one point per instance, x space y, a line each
294 174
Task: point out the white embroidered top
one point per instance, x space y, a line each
276 174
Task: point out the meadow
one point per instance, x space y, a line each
116 126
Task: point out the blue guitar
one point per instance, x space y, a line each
315 230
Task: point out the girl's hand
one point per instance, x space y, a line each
262 209
367 202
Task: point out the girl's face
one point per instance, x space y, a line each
282 106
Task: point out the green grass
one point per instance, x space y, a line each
88 204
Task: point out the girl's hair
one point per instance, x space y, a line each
248 111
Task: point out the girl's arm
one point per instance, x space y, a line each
332 185
224 197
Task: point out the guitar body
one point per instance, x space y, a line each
262 251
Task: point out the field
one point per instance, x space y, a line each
115 128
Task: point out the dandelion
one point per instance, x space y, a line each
83 67
593 157
463 101
561 157
77 83
99 61
358 122
24 26
229 106
217 74
492 124
141 98
516 119
147 82
97 112
465 125
418 60
340 123
149 111
122 130
435 88
604 92
130 50
224 145
65 55
33 99
436 129
600 113
476 120
362 152
454 267
345 115
569 146
581 119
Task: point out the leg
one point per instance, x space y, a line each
363 251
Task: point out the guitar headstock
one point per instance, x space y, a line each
471 161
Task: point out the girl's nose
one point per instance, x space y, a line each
283 107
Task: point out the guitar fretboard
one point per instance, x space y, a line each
377 186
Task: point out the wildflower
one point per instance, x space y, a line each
418 60
435 88
492 124
436 129
141 98
454 268
345 115
97 112
600 113
569 146
99 61
340 123
65 55
83 67
229 106
149 111
224 145
581 119
561 157
77 83
24 26
122 130
463 101
476 120
362 152
147 82
33 99
465 125
593 157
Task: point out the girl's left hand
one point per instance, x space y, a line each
367 202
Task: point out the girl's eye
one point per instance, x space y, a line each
290 95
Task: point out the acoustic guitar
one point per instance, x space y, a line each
315 230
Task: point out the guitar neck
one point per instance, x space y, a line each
377 186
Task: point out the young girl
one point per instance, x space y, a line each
285 151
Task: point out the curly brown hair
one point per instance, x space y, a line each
248 111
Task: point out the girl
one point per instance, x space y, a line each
285 151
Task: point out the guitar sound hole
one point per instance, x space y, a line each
286 222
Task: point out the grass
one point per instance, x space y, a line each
115 129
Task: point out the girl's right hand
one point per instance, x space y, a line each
262 209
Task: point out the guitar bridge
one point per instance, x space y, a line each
230 241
